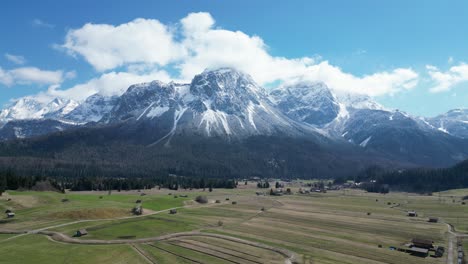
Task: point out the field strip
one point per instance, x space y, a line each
175 254
289 243
206 250
142 254
223 247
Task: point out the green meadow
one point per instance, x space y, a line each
348 226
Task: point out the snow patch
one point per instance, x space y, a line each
251 110
157 111
144 111
212 118
364 143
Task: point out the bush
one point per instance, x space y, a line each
220 223
201 199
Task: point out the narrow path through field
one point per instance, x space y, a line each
452 235
140 252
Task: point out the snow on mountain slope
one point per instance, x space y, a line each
222 102
454 122
228 104
357 101
312 103
28 108
91 110
24 108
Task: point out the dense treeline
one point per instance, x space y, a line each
116 152
169 182
9 180
415 180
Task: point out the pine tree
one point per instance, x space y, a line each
3 184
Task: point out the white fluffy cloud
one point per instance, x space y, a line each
196 44
112 83
376 84
444 81
212 48
32 75
16 59
107 47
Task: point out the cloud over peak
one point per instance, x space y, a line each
195 43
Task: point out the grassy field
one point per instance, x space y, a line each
39 249
336 227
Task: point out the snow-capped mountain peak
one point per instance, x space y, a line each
454 122
312 103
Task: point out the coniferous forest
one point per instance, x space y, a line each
421 180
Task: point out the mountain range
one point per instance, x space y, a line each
224 123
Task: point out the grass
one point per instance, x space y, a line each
48 209
136 228
38 249
335 227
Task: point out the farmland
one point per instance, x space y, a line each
345 226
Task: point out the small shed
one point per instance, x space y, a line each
173 211
81 232
433 220
412 214
10 215
422 243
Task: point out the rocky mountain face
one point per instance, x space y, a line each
311 103
228 106
454 122
222 103
92 109
367 125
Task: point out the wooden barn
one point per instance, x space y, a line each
422 243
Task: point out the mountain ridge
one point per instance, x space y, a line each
227 105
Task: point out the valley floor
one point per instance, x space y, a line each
346 226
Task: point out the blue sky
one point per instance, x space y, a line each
413 53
